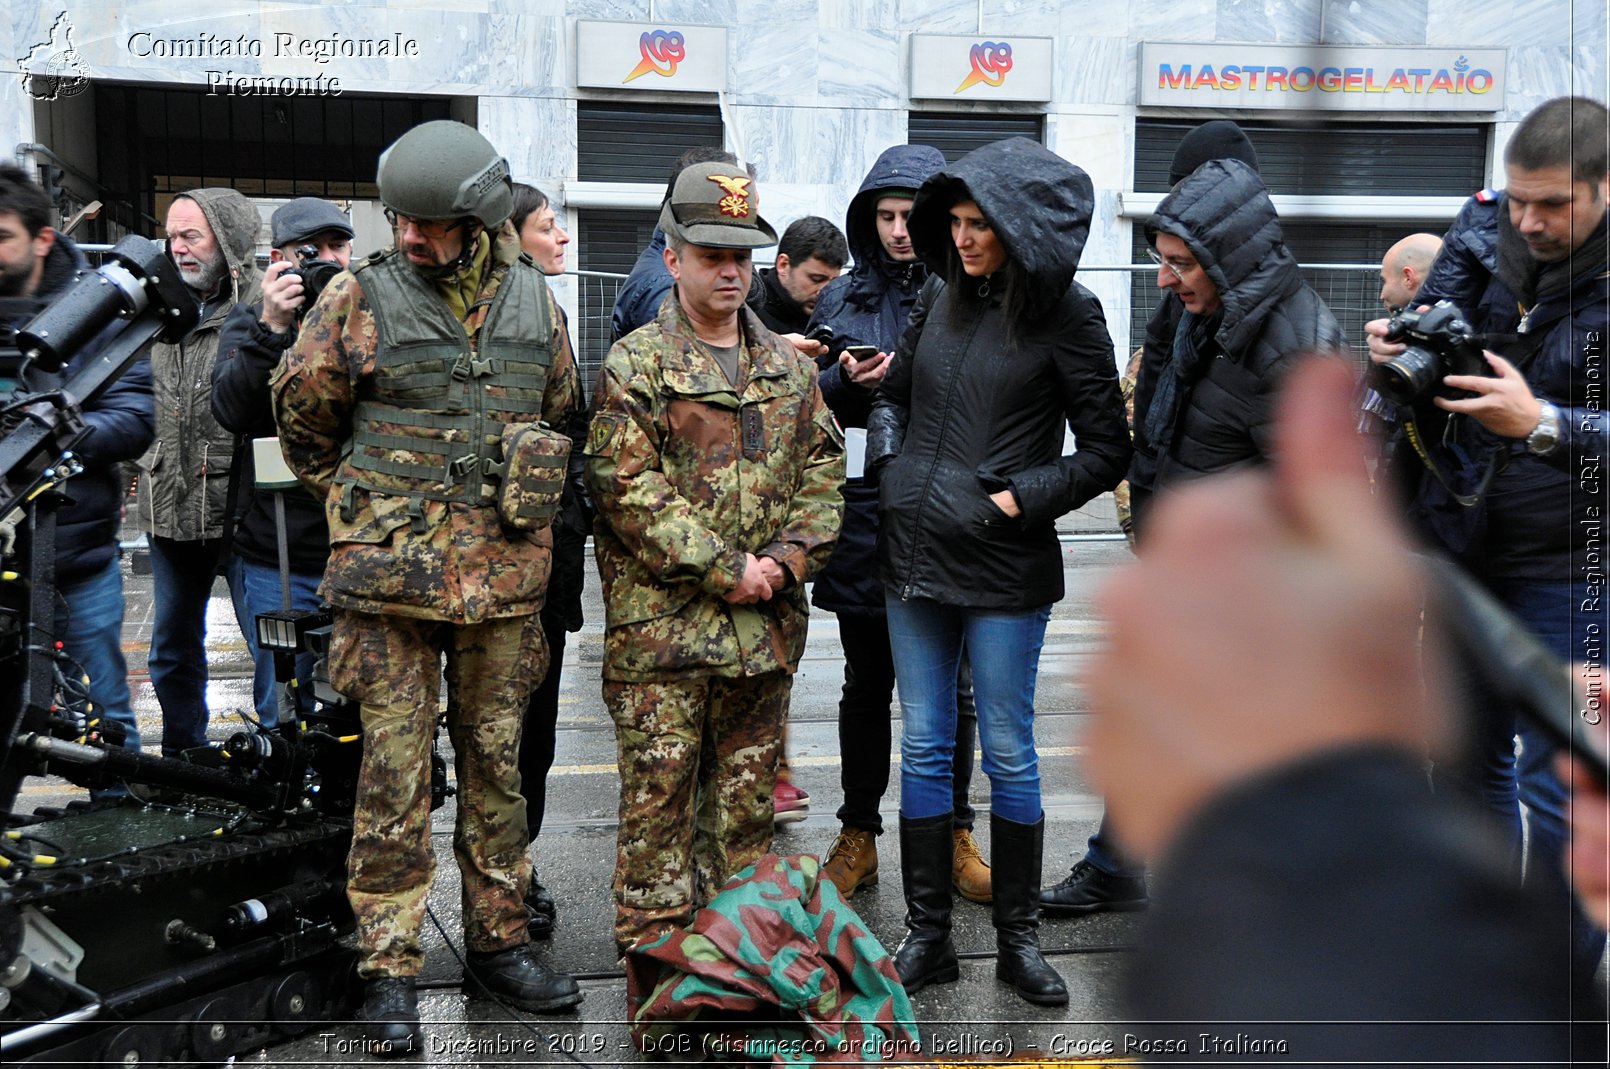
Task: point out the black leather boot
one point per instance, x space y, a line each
542 913
515 977
1015 856
926 955
390 1017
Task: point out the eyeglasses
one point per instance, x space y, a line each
1179 268
429 228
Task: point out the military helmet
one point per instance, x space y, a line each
446 170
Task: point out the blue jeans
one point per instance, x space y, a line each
927 639
182 574
1106 853
865 725
255 589
89 623
1567 628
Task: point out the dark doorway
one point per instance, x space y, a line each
158 141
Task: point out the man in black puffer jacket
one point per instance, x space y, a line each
1220 251
1246 314
1218 139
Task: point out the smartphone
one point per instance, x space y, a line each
859 353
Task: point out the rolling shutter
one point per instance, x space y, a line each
639 142
958 133
1336 158
610 241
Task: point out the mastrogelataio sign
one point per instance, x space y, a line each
669 57
1321 77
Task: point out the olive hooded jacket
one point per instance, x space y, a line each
184 476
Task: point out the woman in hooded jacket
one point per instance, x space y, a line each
1003 352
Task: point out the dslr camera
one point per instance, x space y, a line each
1439 342
315 275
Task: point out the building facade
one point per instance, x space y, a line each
1372 119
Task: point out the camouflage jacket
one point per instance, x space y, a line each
395 554
688 474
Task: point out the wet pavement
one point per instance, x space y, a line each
970 1019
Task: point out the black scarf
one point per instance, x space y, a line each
1532 281
1193 348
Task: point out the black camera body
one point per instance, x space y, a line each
314 273
1439 343
834 341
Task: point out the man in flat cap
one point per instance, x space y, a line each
252 341
715 468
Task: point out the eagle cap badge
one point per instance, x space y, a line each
736 202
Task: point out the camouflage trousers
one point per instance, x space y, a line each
393 666
698 760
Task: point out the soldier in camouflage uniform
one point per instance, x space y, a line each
715 468
391 407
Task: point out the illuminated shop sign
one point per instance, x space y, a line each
1322 78
672 57
980 67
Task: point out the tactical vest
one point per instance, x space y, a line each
429 420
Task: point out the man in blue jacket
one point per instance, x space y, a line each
36 266
1504 468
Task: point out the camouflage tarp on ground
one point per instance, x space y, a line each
776 968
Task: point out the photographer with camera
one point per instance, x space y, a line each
312 244
1502 450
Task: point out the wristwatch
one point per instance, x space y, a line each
1545 437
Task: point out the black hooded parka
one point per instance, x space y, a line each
973 405
1268 317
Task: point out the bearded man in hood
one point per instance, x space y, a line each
184 475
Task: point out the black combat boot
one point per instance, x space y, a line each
542 913
1088 889
515 977
390 1017
1015 855
926 955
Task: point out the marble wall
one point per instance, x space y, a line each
816 88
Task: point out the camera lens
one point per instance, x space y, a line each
1407 376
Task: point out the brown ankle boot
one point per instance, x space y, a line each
969 872
852 861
